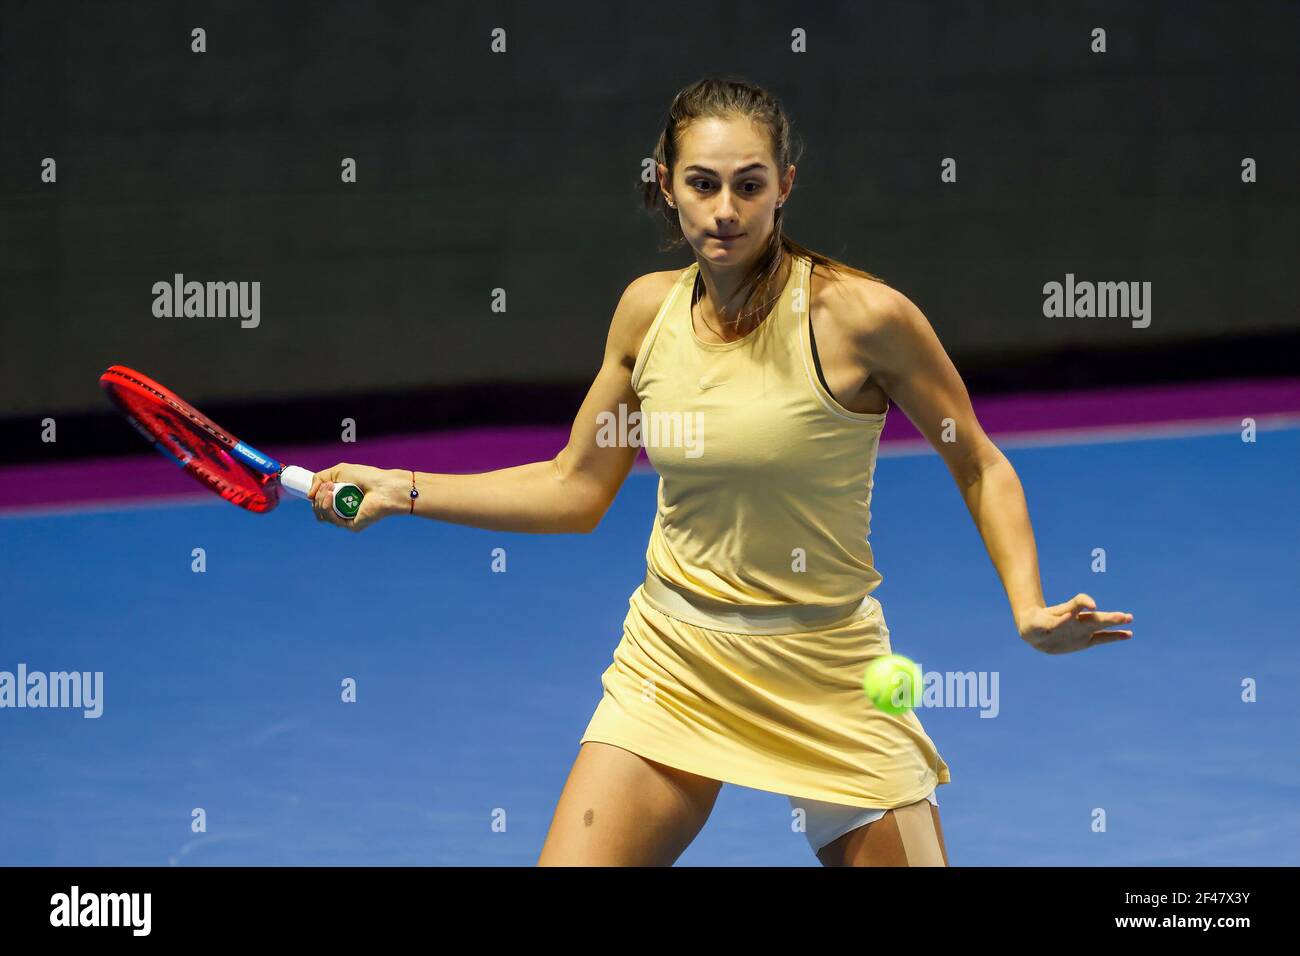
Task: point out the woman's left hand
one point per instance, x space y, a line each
1073 626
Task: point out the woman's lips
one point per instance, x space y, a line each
725 238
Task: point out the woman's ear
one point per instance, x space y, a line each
787 185
665 185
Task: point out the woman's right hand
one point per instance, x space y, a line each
386 492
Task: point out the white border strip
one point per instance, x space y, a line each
1101 435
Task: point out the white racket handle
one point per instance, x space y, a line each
296 480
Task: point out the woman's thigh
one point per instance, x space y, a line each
620 809
904 836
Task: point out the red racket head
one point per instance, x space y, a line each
189 438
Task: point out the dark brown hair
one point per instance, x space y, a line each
724 97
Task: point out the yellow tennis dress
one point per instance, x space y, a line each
763 513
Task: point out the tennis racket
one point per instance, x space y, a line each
217 459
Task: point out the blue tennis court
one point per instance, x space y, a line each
223 690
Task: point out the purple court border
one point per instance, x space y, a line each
1027 419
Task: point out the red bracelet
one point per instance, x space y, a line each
414 494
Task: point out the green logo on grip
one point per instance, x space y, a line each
347 501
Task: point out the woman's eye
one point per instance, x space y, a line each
748 192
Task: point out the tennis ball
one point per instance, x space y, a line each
893 683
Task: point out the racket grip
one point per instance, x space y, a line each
347 496
296 480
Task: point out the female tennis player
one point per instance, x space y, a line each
743 652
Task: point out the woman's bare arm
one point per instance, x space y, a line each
911 365
896 342
569 493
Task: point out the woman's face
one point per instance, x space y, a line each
726 189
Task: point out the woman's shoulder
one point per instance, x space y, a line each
637 309
653 287
857 303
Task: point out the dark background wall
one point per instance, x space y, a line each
480 171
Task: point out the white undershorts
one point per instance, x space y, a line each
825 822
